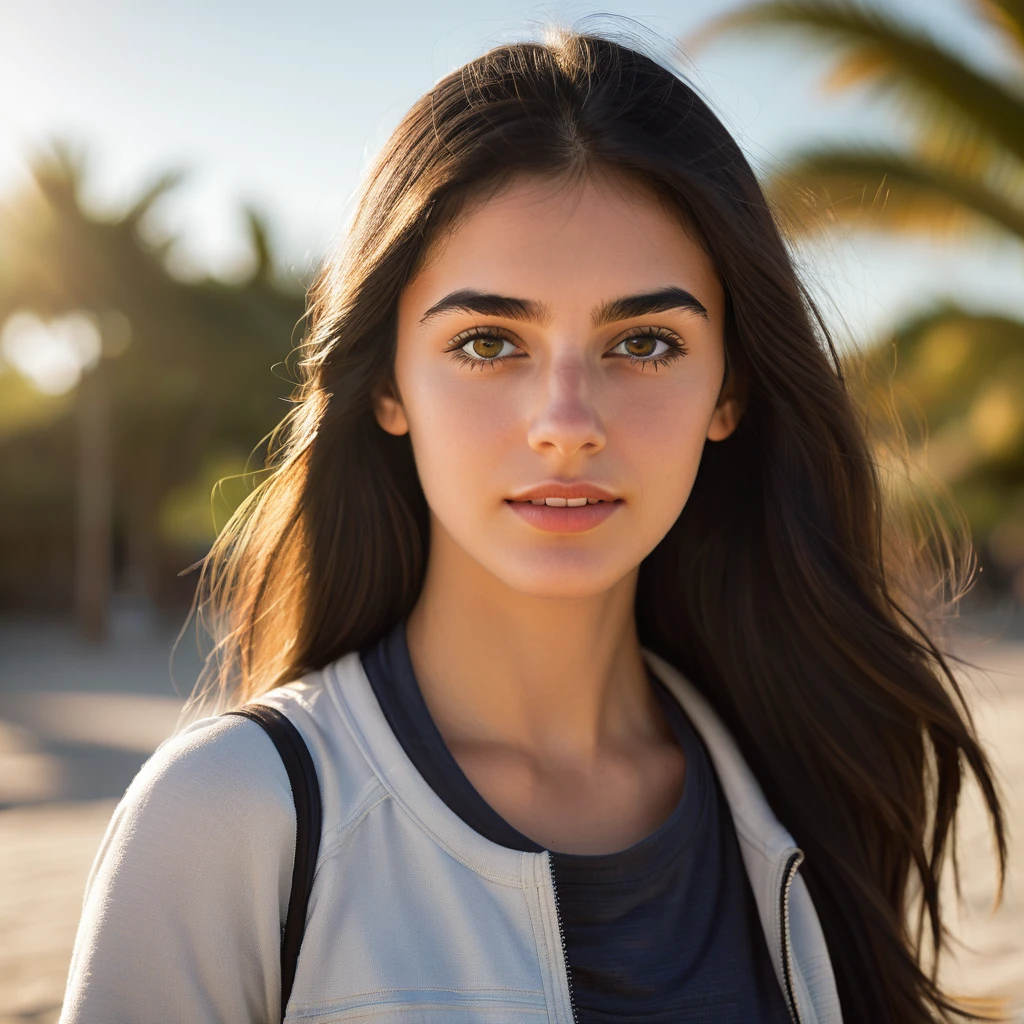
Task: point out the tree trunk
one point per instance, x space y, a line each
94 527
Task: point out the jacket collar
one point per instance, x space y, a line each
755 820
756 824
790 922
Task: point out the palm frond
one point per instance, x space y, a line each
887 190
163 184
896 57
259 238
1006 15
59 170
956 379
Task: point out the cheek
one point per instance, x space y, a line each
460 430
660 434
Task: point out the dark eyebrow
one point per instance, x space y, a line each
661 301
467 300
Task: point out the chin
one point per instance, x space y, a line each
559 578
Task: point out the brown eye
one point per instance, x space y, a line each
642 346
484 348
650 345
487 348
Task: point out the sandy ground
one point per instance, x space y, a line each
76 723
989 960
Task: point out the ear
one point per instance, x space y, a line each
728 411
389 411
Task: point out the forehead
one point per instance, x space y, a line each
567 244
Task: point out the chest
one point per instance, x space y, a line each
607 807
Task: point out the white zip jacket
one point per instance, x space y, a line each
414 917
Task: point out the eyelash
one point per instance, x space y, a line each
676 346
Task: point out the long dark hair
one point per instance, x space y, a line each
785 590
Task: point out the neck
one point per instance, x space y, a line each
561 679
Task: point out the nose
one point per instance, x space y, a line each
567 420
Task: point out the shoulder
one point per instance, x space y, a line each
190 884
226 768
221 759
216 788
226 754
336 715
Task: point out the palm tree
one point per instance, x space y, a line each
954 377
195 380
60 260
965 165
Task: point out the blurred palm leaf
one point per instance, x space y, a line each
966 163
885 190
955 380
1006 15
260 241
164 183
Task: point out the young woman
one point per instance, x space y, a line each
575 575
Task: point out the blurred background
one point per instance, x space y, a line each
171 176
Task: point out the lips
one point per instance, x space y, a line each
563 502
569 491
564 518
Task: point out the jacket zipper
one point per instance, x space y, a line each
561 938
788 874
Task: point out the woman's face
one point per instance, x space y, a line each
562 343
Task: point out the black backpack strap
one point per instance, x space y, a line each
308 817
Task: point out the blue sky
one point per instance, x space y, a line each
282 106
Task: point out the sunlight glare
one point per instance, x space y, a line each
52 355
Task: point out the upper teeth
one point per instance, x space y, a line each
562 502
